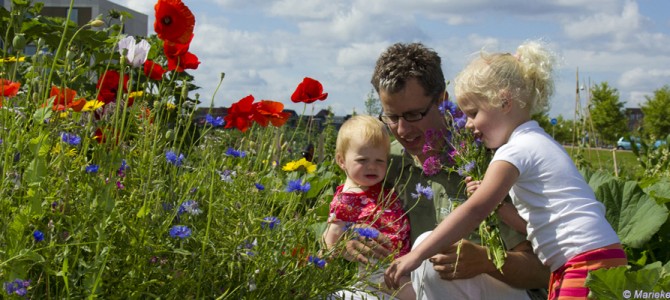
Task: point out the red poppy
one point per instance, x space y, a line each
185 61
270 111
153 70
174 21
308 91
64 99
108 86
240 114
9 88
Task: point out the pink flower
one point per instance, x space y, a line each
432 165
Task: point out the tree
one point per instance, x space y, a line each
607 113
373 106
656 112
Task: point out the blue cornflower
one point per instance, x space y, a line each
259 186
466 169
235 153
122 169
70 138
448 106
92 168
423 191
461 121
367 232
270 222
216 122
248 246
317 261
296 186
172 158
18 286
180 231
38 235
190 207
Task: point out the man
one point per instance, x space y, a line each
411 86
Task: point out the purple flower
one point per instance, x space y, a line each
120 185
460 121
180 231
235 153
92 168
259 186
122 169
18 287
466 169
216 122
367 232
423 191
70 138
448 107
317 261
296 186
172 158
432 165
270 222
248 246
190 207
38 235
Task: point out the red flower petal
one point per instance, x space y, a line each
270 111
240 114
174 21
63 98
153 70
9 88
108 86
187 60
308 91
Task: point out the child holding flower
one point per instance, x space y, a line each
362 151
565 223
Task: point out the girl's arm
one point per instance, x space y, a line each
333 232
499 178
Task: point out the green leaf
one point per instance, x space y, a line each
633 214
599 178
142 212
660 190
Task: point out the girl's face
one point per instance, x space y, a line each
365 165
487 122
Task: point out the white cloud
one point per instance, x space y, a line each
606 24
645 77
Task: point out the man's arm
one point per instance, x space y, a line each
522 268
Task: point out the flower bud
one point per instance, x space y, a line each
19 42
97 23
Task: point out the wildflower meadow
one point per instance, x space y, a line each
110 190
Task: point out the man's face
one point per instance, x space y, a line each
412 99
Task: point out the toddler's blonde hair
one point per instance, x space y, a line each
365 128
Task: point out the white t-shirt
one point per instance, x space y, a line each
564 218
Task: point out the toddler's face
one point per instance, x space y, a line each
364 164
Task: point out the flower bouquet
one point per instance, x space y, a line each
459 151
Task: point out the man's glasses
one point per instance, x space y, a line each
408 116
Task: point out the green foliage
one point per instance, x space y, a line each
656 111
624 283
606 112
373 106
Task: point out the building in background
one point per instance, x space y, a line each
86 10
634 116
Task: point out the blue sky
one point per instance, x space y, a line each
266 47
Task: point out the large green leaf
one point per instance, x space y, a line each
622 283
660 190
597 179
634 215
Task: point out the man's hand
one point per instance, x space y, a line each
360 249
472 262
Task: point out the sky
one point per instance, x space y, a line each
266 47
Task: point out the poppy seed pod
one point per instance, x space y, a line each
19 42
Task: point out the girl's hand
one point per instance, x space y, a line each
399 268
471 185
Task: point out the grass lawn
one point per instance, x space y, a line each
603 159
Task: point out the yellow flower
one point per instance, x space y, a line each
92 105
300 164
136 94
12 59
171 106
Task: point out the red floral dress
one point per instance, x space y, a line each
382 213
